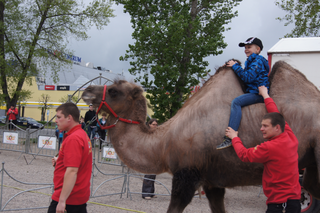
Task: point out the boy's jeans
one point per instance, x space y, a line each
237 103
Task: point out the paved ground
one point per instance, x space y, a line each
239 200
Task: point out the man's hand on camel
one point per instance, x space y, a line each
230 133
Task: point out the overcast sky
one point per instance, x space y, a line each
255 18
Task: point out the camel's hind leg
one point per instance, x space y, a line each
311 181
216 198
311 176
184 184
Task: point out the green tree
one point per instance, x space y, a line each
44 105
172 38
304 14
11 81
34 35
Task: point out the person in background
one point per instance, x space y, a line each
73 166
102 132
59 135
148 185
12 117
89 119
279 156
83 124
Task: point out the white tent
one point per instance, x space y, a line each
301 53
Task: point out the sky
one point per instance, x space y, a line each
256 18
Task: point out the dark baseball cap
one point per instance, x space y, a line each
252 40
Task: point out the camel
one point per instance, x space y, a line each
185 145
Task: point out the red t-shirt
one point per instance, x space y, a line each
280 179
75 151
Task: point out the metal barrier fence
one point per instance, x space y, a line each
2 208
27 140
141 176
28 144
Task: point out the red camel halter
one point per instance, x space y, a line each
103 102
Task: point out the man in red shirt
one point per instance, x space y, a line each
12 116
73 165
279 155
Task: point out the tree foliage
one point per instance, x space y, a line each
304 14
172 38
34 35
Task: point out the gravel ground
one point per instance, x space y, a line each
238 200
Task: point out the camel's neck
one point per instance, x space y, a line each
138 147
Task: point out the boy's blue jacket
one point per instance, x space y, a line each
255 73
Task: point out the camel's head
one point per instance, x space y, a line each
120 95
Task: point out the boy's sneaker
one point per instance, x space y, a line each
225 144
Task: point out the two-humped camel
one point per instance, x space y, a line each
185 145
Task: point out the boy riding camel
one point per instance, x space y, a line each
254 75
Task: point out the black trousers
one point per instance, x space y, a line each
11 126
70 208
148 186
293 206
102 134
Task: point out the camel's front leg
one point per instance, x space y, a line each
216 198
184 184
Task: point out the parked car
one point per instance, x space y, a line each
29 122
3 119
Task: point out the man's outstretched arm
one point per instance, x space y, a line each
270 104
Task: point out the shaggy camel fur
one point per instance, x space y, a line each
185 145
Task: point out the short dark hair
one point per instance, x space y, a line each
275 118
69 109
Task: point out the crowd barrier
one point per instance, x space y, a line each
29 141
34 142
